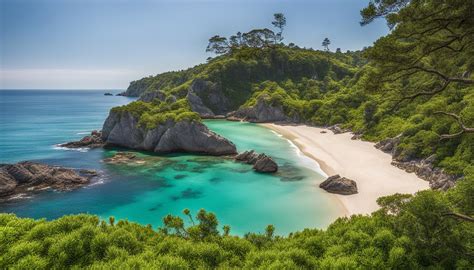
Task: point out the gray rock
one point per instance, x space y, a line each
425 169
27 177
123 129
196 105
150 96
389 145
261 162
339 185
337 129
91 141
262 112
211 96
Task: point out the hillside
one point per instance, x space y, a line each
413 91
284 83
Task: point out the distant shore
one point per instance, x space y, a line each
354 159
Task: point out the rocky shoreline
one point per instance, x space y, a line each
30 177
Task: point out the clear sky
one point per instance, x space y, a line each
85 44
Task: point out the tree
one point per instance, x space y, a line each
432 43
280 23
326 43
236 40
218 45
258 38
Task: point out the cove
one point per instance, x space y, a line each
146 192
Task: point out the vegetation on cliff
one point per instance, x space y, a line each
151 114
408 232
416 81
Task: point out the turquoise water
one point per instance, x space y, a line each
32 122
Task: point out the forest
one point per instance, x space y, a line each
416 83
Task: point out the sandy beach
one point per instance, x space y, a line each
356 160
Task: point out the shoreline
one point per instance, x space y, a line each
354 159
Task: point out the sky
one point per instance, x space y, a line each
105 44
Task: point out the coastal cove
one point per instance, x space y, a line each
144 193
359 160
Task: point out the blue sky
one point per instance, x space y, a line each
85 44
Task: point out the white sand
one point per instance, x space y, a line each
356 160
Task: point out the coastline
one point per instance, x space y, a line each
354 159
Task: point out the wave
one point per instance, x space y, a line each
306 161
19 196
80 149
83 133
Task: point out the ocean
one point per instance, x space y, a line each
33 122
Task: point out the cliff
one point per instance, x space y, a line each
123 129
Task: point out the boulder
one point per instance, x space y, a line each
260 162
123 129
339 185
389 145
424 168
337 129
27 177
91 141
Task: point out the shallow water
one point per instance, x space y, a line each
32 122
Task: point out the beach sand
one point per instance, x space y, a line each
355 159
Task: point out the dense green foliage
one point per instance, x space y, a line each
408 232
152 114
416 81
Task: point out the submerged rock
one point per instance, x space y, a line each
261 162
27 177
123 129
91 141
339 185
123 158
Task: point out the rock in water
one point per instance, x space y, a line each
123 129
91 141
261 162
339 185
27 177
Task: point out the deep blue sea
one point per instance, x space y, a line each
33 122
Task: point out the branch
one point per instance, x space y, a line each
423 93
458 119
459 216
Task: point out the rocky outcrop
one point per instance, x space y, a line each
198 106
389 145
150 96
108 94
339 185
123 129
124 158
425 169
28 177
337 129
91 141
261 162
208 96
262 112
